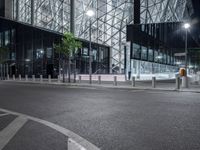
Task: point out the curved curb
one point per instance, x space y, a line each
76 139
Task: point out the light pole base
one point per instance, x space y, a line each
185 82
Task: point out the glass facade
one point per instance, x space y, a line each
154 47
31 51
109 22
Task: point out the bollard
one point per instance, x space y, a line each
49 78
99 79
199 79
185 82
79 79
41 78
26 77
133 81
8 78
33 78
177 83
13 77
20 77
58 78
115 80
90 79
154 82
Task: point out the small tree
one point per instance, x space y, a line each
67 47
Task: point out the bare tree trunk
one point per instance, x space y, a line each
63 66
69 69
1 71
74 69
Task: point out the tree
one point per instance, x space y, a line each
67 47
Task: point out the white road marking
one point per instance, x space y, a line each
83 143
9 132
72 145
5 114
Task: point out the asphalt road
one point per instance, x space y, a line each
112 119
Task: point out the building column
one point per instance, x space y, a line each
17 10
72 16
136 12
138 68
8 6
32 12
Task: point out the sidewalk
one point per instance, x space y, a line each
161 85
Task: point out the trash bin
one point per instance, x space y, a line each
182 72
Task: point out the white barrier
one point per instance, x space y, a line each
13 77
26 77
33 78
20 77
49 78
41 78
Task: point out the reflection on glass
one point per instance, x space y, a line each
156 56
94 54
144 53
7 41
39 53
49 52
85 51
136 51
150 55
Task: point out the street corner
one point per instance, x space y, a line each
21 132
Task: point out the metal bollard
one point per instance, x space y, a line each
33 78
8 78
99 79
177 83
154 82
41 78
133 81
90 79
79 79
26 77
199 79
49 78
115 80
20 77
58 78
13 77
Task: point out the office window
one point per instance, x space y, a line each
156 58
144 53
85 51
7 38
150 55
136 51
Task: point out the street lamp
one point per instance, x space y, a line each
90 13
185 79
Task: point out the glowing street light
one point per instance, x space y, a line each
185 79
90 13
187 26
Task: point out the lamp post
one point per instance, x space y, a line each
90 14
185 79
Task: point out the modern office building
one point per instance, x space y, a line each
112 46
159 48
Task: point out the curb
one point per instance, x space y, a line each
104 86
